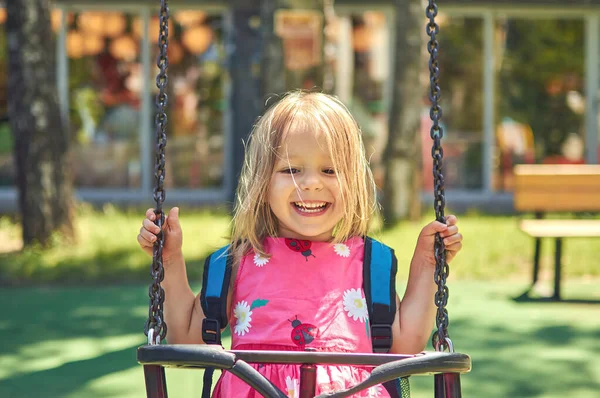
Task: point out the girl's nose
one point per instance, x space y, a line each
311 182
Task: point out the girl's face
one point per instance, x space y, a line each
304 192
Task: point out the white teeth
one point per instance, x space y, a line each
310 205
304 210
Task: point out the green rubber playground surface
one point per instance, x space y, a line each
81 342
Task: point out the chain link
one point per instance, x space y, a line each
156 293
441 340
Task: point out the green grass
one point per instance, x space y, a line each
107 250
81 342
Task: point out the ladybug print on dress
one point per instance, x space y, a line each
303 333
300 246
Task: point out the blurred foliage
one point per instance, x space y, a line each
537 63
544 60
6 139
461 73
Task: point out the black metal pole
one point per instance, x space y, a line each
447 385
244 42
156 381
557 268
308 380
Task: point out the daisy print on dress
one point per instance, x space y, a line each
375 391
332 386
355 305
341 249
302 333
259 260
300 246
291 386
243 315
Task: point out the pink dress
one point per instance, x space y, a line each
307 294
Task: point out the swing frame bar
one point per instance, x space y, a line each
446 367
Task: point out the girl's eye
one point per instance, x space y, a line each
290 170
329 171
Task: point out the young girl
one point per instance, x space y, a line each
305 176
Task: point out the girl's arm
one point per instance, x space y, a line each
182 309
416 312
183 313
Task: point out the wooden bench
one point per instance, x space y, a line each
557 188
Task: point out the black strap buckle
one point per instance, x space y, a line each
381 337
211 331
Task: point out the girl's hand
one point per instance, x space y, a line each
449 232
171 230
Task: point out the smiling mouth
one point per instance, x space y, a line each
311 208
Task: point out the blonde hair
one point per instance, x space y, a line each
253 219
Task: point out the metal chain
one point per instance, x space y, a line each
440 340
156 328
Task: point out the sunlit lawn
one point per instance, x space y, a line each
107 251
81 341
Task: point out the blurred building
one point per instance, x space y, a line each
520 84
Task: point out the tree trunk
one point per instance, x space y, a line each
401 192
272 66
244 40
41 139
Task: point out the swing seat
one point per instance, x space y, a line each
386 366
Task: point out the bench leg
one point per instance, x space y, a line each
536 260
557 270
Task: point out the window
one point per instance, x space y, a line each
103 50
197 75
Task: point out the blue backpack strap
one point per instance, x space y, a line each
213 297
379 283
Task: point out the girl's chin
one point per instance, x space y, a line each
307 234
